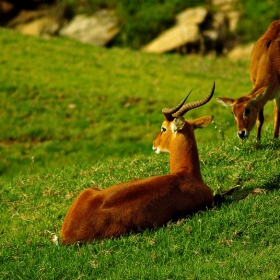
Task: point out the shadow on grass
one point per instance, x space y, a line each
237 194
272 144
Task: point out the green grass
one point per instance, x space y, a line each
75 116
67 102
255 14
236 240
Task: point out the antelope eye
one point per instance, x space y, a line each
247 111
163 129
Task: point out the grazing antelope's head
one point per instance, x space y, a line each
245 111
174 122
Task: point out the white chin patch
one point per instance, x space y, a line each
157 150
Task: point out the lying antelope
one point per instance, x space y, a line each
145 203
265 76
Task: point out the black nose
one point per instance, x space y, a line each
241 134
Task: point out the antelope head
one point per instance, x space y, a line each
174 122
245 111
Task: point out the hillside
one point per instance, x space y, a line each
75 116
66 102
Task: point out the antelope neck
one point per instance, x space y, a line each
260 103
184 155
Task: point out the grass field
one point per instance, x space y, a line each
75 116
66 102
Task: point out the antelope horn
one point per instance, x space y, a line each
167 112
189 106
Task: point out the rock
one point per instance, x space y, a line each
97 30
196 30
192 16
173 38
233 18
228 8
241 52
44 26
199 31
185 31
224 5
25 16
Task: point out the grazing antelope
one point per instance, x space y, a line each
145 203
265 76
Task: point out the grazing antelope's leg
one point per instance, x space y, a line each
276 116
259 123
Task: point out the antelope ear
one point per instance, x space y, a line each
178 124
227 102
202 122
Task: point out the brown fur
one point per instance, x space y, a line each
143 203
265 76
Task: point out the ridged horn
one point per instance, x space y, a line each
167 112
189 106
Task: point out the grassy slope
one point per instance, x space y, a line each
67 102
238 240
117 97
